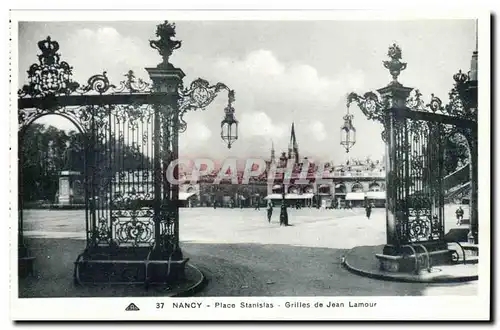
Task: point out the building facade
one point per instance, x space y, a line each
343 185
349 184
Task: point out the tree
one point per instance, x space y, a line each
45 151
455 152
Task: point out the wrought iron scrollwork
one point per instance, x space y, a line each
372 107
79 115
415 103
454 108
98 83
463 97
198 96
419 225
132 84
50 76
123 139
132 219
53 77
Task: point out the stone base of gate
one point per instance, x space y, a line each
25 262
413 258
368 261
110 265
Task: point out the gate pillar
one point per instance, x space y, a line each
166 79
414 202
473 236
395 95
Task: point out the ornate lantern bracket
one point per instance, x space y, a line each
201 94
229 125
347 131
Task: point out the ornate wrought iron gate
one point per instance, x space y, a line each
415 134
131 139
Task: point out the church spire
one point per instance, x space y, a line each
273 155
293 147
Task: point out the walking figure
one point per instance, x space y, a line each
283 215
368 209
257 205
269 211
460 215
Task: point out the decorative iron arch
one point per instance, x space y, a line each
26 124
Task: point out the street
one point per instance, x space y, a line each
241 254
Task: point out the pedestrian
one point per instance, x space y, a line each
215 205
368 210
283 215
269 211
257 205
460 215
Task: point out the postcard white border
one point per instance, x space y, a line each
389 308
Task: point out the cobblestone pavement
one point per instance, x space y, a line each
243 255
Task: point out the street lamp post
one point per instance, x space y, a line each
283 210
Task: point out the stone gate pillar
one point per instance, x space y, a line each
395 94
167 81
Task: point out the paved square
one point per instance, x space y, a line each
242 254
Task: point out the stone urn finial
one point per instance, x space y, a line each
165 45
395 66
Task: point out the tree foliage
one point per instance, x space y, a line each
45 151
455 153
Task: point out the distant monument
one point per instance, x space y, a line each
71 190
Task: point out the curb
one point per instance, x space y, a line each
195 288
385 277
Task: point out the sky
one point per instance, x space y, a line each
281 71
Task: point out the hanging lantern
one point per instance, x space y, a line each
347 132
229 125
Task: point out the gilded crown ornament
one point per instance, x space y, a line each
460 77
49 48
165 45
50 76
395 66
